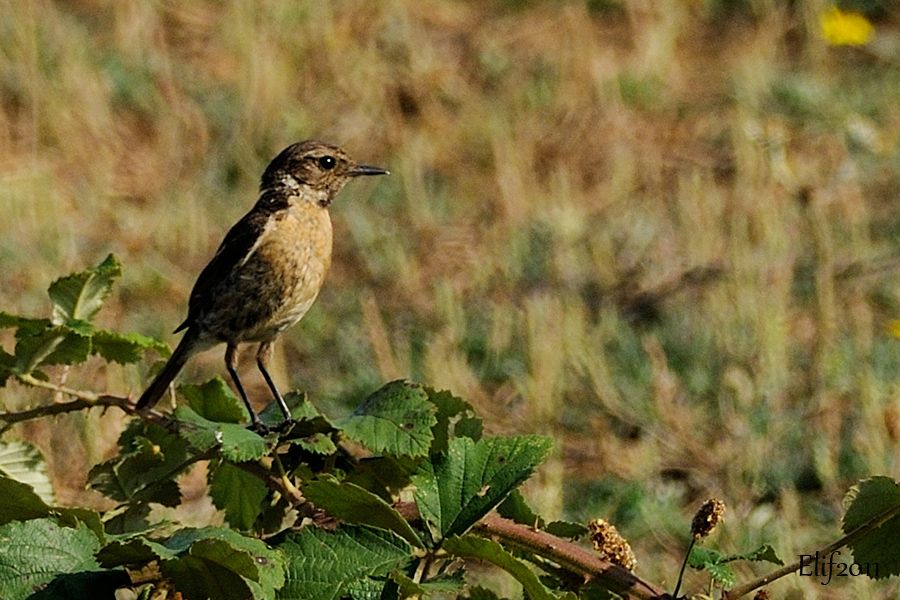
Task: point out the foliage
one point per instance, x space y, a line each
403 514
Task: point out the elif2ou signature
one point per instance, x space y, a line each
827 566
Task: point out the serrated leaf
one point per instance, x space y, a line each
396 420
50 345
310 430
516 508
299 405
450 411
764 553
324 565
33 553
19 502
238 493
866 501
700 557
481 593
455 490
226 550
237 443
352 504
125 348
471 546
23 462
196 577
714 563
80 295
129 519
566 529
74 517
136 550
384 476
722 574
215 401
145 470
443 584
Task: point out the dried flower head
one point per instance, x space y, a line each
610 544
706 519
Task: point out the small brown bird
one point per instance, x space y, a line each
269 268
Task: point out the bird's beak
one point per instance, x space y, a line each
367 170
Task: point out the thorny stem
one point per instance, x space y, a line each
873 523
570 556
684 563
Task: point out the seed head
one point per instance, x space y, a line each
610 544
706 519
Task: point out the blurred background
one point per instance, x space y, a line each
664 232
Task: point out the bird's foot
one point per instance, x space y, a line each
260 428
285 426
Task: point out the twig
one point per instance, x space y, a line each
684 563
571 556
873 523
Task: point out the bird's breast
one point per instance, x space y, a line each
289 267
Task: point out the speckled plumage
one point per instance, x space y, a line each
270 267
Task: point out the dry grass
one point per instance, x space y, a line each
663 232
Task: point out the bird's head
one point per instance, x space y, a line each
314 170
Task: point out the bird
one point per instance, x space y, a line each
268 269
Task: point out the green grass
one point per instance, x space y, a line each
559 171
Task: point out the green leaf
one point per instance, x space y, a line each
136 550
516 508
238 444
866 501
238 493
79 296
311 430
20 502
227 554
451 411
325 565
50 345
480 593
384 476
352 504
23 462
125 348
196 577
442 585
215 401
396 420
566 529
714 563
33 553
151 458
299 405
455 490
765 553
471 546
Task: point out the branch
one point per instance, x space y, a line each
570 556
873 523
83 399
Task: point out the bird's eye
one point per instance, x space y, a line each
327 162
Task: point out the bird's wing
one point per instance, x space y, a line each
238 245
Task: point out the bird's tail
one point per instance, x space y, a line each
186 348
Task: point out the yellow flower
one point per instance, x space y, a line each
893 328
841 28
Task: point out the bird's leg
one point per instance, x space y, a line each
231 365
262 358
